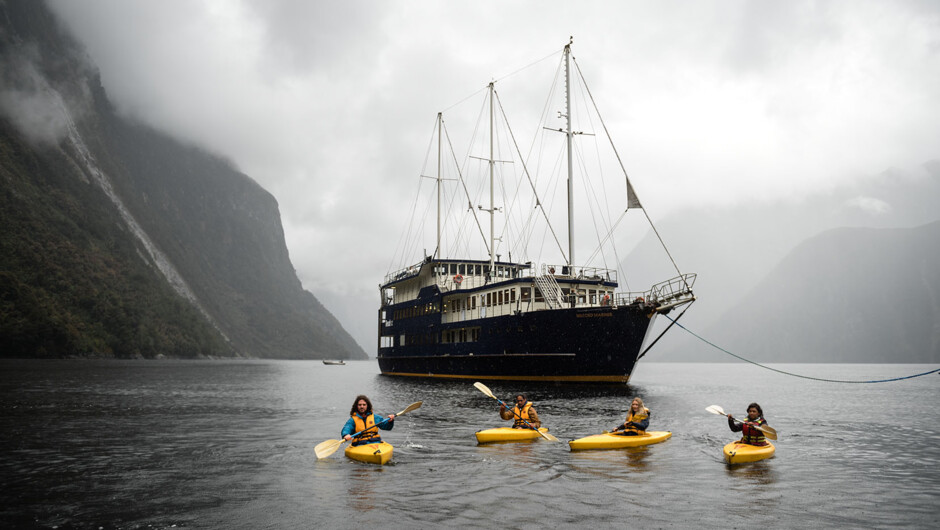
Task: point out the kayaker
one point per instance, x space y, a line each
638 419
750 435
361 419
522 411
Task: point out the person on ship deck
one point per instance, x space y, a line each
523 412
362 420
749 434
638 419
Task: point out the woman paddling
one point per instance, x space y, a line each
638 419
755 418
524 414
363 419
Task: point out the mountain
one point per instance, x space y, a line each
733 248
846 295
118 240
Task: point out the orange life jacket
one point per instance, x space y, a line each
521 415
370 435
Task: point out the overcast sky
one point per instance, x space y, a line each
330 105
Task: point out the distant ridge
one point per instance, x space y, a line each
120 241
846 295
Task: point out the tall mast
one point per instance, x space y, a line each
570 172
492 199
440 124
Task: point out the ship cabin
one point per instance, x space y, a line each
445 294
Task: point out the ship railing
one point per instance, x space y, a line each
406 272
580 273
673 292
631 298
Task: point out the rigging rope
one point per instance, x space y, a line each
622 168
706 341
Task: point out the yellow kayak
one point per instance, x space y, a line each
507 434
379 453
739 453
618 441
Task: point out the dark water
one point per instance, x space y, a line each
161 444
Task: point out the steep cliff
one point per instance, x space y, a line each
118 240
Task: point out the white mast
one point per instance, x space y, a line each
440 123
570 172
492 200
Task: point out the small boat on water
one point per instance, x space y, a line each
739 453
335 363
618 441
507 434
501 291
379 453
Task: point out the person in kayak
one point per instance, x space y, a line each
522 411
363 419
750 435
638 419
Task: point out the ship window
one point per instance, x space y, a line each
461 269
489 299
473 302
453 268
593 295
479 269
538 296
500 298
524 294
486 270
512 296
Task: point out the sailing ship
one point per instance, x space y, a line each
481 317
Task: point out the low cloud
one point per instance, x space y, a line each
869 205
27 100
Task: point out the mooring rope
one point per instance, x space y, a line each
713 345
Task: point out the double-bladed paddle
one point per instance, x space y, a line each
325 449
483 388
770 432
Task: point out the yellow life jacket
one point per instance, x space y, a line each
372 434
523 414
637 418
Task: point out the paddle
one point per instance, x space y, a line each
483 388
770 432
325 449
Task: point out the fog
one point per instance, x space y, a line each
714 106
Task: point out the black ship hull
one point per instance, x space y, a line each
598 344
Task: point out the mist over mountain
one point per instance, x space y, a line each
118 240
813 280
846 295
